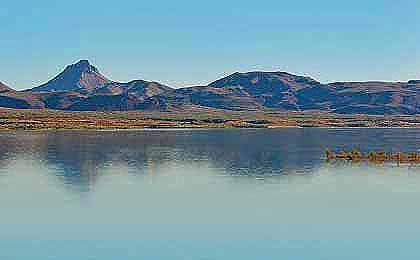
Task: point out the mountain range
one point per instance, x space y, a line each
81 87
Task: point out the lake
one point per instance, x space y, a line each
206 194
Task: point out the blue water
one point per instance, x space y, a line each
206 194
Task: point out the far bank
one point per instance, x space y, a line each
21 119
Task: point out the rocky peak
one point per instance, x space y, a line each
79 76
81 67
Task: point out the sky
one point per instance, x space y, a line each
191 42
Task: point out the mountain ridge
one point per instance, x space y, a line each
81 87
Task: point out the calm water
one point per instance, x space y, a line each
206 194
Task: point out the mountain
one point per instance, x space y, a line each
252 91
81 87
81 76
275 90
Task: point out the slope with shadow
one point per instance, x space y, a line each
14 99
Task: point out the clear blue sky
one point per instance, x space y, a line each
193 42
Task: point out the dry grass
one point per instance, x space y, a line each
51 119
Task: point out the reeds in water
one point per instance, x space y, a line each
373 156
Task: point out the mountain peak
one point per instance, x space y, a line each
82 66
265 79
80 75
83 63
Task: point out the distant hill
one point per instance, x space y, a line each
81 87
376 97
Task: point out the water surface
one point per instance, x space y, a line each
206 194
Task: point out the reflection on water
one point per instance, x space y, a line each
205 194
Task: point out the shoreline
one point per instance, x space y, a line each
179 129
54 120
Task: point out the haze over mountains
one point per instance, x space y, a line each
81 87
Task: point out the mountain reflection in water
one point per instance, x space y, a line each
206 194
79 158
